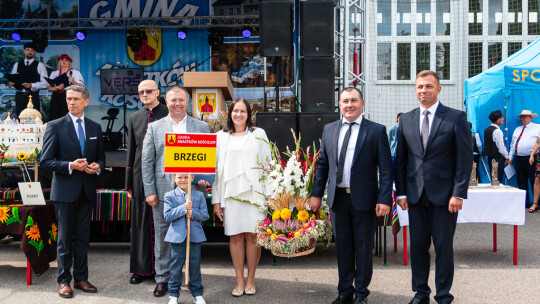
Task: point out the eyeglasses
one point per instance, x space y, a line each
148 92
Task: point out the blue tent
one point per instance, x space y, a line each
514 83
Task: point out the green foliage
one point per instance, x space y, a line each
38 245
8 56
29 222
14 217
52 62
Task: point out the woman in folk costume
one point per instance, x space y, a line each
58 107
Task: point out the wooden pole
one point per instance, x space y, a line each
36 165
188 231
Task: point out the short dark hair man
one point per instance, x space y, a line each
433 167
494 147
29 89
73 150
353 151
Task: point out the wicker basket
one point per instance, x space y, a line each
302 251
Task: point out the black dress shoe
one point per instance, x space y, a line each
419 301
136 279
360 300
161 289
343 300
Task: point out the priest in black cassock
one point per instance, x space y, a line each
142 231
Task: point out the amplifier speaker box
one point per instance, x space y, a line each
276 27
311 126
318 84
317 28
278 128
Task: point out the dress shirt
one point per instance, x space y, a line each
346 180
76 126
431 115
527 141
178 127
498 138
42 71
478 144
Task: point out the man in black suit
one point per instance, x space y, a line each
141 257
352 151
433 167
73 150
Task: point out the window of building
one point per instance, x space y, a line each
422 57
514 47
403 17
514 17
423 18
384 61
534 25
495 17
475 58
475 17
403 61
384 18
442 60
443 17
494 53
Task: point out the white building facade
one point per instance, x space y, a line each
457 39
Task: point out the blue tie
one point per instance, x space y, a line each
81 135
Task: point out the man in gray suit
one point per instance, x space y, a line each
156 182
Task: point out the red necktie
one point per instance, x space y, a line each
520 134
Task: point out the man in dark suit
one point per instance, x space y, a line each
433 167
352 151
73 150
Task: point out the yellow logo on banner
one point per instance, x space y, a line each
150 50
206 103
191 159
171 138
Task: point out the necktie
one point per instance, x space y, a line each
342 153
81 134
520 134
425 129
27 63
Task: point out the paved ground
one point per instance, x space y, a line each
482 276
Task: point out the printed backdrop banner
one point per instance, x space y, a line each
158 51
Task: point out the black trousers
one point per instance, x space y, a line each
354 236
426 222
21 101
524 175
73 238
500 167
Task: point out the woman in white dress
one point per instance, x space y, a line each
238 175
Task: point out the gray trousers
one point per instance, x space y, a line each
162 249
